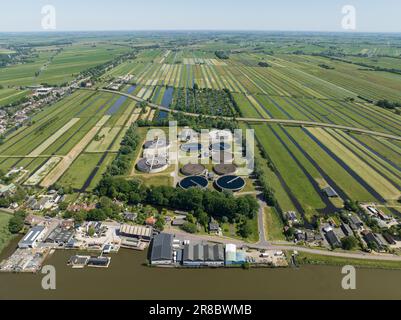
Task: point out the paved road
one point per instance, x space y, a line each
283 247
262 120
261 222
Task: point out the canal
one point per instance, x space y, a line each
128 278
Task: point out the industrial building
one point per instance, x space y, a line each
138 232
32 238
203 255
234 256
162 249
60 236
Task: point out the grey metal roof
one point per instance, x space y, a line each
202 252
330 192
60 235
32 235
162 248
332 239
346 229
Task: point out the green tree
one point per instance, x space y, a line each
16 223
245 229
189 227
349 243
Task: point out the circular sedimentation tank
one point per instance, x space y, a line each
230 183
222 157
191 147
193 169
157 144
225 169
217 135
220 146
194 182
152 165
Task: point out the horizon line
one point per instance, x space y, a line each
204 30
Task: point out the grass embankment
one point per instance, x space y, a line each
308 258
273 225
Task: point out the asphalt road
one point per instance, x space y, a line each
262 120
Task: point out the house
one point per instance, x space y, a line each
292 216
347 229
8 190
178 222
390 240
67 224
32 238
214 226
162 249
131 216
355 223
332 239
151 221
139 232
330 192
310 236
371 239
32 220
300 235
30 202
41 204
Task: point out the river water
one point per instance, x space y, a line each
128 278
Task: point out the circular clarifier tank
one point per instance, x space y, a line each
191 147
193 169
230 183
225 169
220 146
194 182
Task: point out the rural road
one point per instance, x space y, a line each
262 120
284 247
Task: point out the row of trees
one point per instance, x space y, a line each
215 204
122 163
16 223
388 104
222 55
196 123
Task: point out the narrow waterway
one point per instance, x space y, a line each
128 278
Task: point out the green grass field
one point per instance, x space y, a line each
298 83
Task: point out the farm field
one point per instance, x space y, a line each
73 142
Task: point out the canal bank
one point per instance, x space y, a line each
129 278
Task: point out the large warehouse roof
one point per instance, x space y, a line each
162 247
141 231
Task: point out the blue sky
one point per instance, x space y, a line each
301 15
